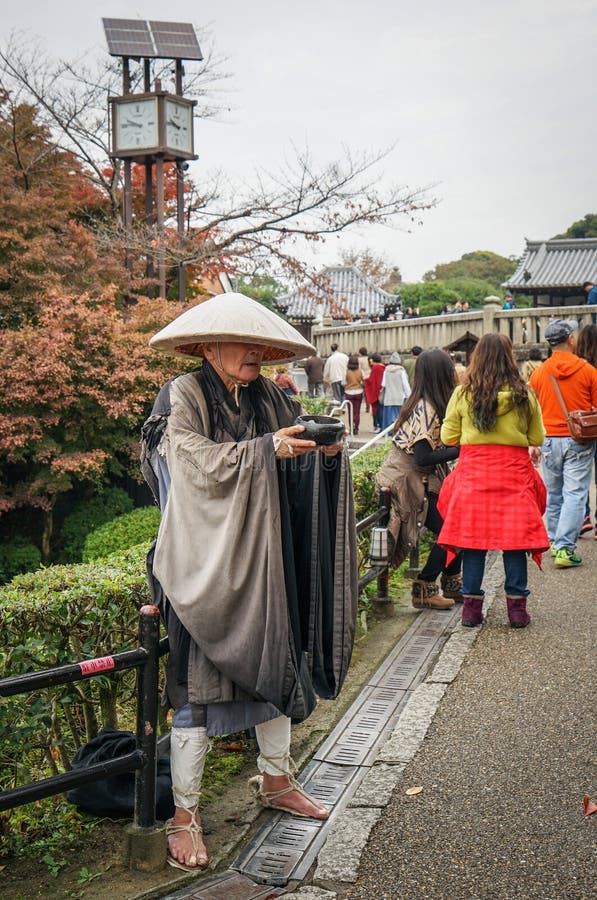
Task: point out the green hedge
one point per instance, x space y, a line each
86 516
18 557
56 616
122 533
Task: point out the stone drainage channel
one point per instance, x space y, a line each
354 771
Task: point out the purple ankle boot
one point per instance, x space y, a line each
472 610
517 612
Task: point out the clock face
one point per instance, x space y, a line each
179 126
136 124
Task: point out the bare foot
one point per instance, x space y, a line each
293 800
186 846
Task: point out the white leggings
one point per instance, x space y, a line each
189 746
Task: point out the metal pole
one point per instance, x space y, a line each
182 281
149 219
127 214
159 190
385 499
147 717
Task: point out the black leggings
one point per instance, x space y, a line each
436 561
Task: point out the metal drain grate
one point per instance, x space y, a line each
350 742
272 865
285 848
227 886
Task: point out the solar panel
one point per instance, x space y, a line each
128 37
175 40
156 40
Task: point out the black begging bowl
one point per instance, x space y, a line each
321 429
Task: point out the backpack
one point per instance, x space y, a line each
114 796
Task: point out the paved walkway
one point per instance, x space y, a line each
503 768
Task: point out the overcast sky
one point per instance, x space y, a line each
494 104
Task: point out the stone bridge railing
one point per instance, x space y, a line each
523 326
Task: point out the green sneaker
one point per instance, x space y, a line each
566 558
552 549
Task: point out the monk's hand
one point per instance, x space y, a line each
332 449
287 442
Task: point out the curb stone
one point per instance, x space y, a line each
314 893
377 786
339 859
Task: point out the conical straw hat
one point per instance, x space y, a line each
232 317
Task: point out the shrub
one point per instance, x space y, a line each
86 516
364 468
315 406
17 557
60 615
122 533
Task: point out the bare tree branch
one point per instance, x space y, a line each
258 222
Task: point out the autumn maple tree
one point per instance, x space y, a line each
73 389
76 374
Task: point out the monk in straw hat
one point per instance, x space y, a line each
254 568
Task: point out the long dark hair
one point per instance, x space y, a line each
434 380
586 345
492 367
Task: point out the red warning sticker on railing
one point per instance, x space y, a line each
93 666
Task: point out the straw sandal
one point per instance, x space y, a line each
194 829
266 798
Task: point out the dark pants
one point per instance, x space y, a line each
356 400
338 390
515 567
436 561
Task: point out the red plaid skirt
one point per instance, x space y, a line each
494 499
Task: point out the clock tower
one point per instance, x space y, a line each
153 126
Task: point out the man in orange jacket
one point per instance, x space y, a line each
567 465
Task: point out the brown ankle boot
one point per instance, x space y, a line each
452 587
425 594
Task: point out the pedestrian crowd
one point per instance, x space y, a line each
493 415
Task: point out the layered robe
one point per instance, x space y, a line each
255 562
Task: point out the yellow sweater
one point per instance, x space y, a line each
511 429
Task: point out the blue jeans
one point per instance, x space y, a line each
515 567
588 506
567 474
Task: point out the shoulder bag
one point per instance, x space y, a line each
582 424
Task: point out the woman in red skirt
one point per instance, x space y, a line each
494 499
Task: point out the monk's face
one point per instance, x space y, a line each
240 361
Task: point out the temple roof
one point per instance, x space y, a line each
340 290
555 264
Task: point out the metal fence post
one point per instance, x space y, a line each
385 499
147 841
414 567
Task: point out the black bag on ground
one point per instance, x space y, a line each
114 796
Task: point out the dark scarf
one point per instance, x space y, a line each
251 414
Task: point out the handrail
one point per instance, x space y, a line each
372 441
343 406
143 759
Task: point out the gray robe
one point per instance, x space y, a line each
219 559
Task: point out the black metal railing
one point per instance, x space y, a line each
143 760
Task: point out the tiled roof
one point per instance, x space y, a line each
340 289
556 264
